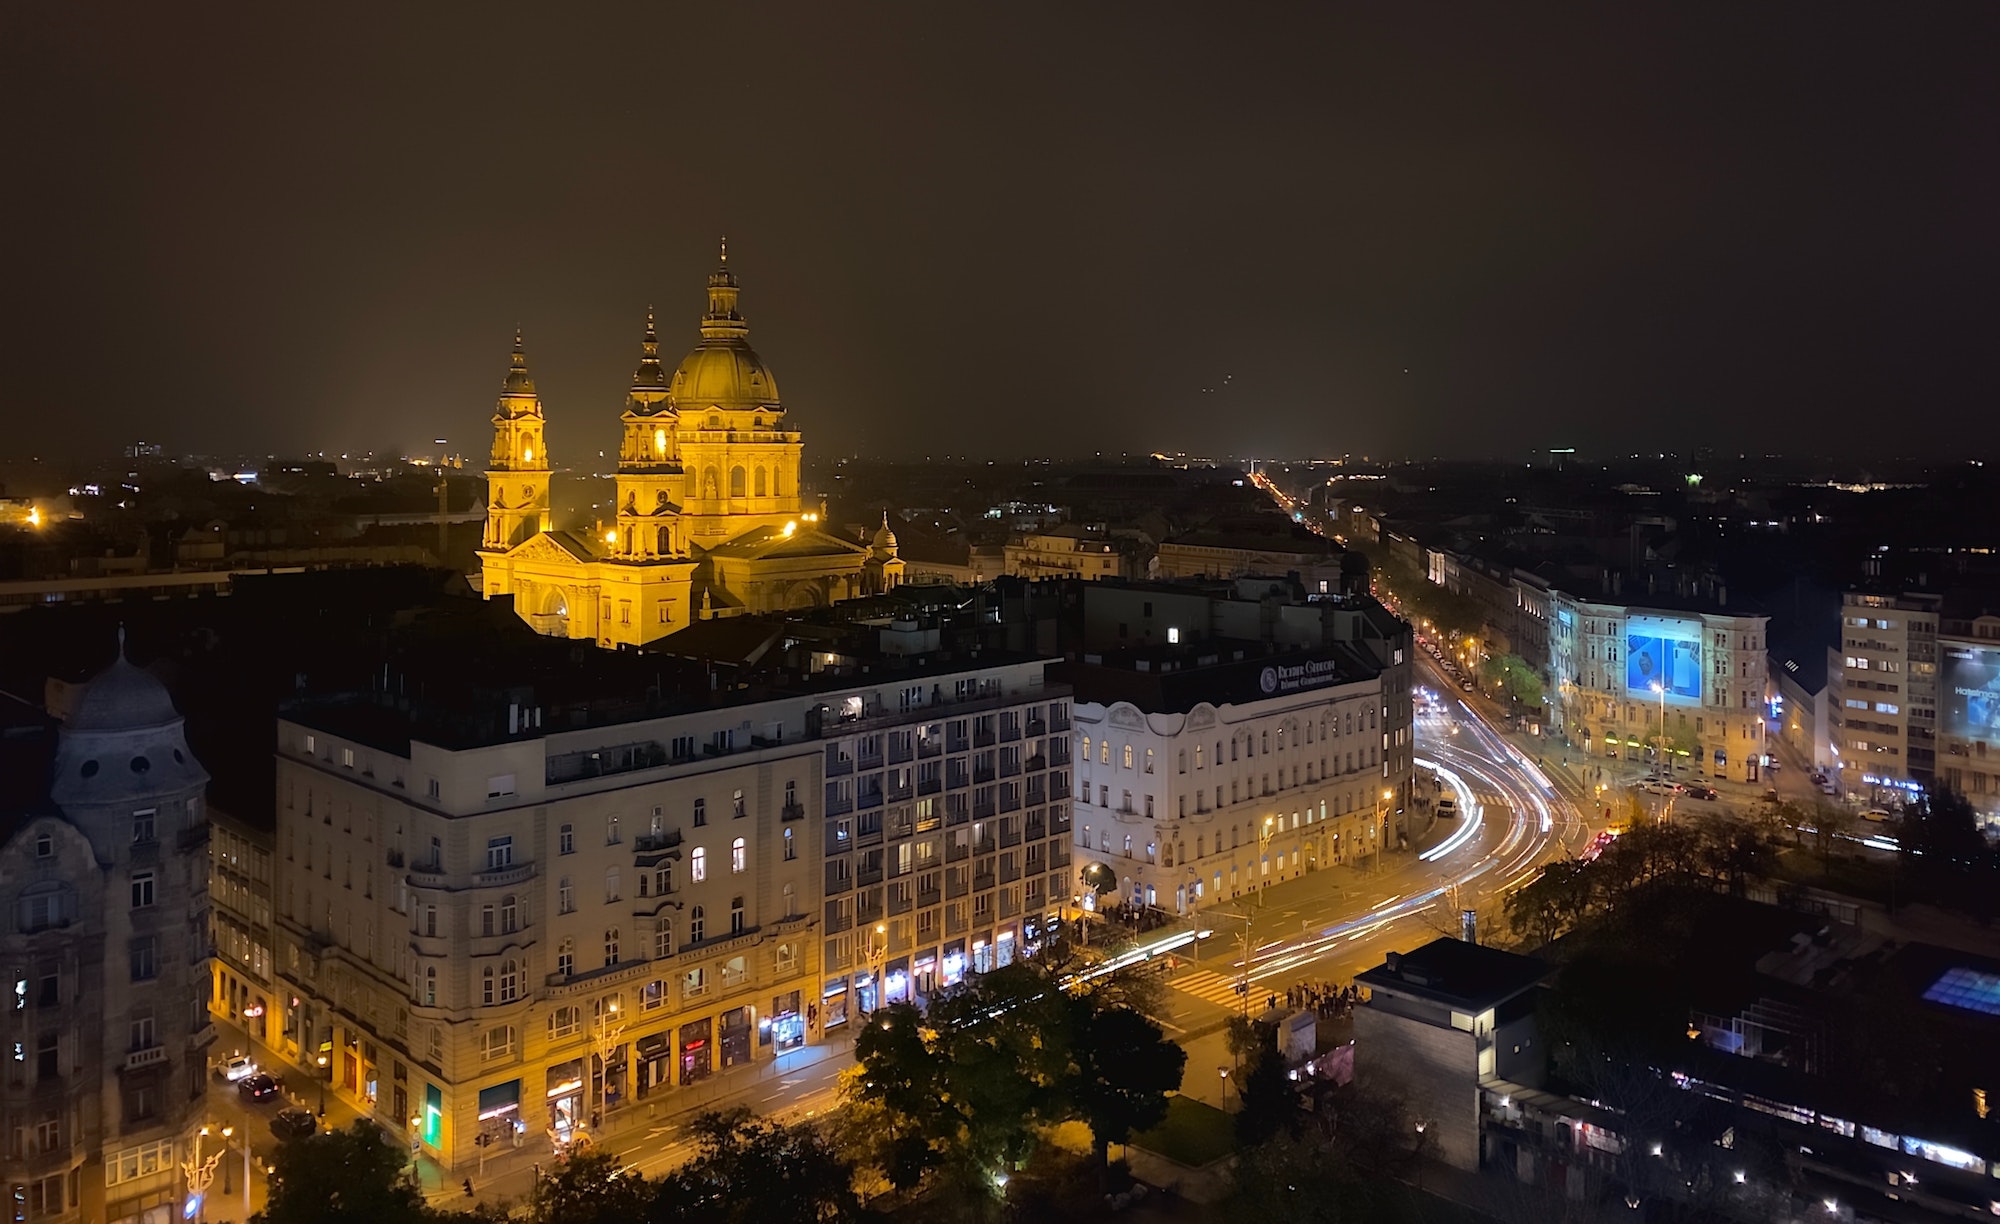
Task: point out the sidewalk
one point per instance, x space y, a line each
649 1134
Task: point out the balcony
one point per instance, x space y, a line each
984 737
980 883
865 876
983 774
838 765
1037 727
792 811
1010 729
653 843
503 877
929 748
396 859
927 899
1037 763
956 744
150 1056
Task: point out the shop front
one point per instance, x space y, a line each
736 1033
656 1062
785 1028
1003 950
896 984
500 1112
564 1095
833 1002
697 1055
954 962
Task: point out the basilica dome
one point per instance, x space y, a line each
723 371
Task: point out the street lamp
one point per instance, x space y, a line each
1382 825
199 1170
1264 857
324 1074
878 955
610 1027
1661 689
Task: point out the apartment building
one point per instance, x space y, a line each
1686 685
1232 735
1882 697
244 985
500 923
1968 722
947 833
105 944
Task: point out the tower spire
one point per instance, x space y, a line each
519 382
723 321
649 373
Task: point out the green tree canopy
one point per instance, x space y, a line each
1125 1067
751 1171
354 1176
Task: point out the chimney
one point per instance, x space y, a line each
1394 962
1468 926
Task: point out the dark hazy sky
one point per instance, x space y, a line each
1012 229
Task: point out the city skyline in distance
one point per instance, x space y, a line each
1380 235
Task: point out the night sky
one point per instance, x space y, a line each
1007 230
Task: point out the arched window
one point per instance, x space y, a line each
510 981
695 925
1128 756
789 898
663 540
760 482
610 946
736 481
698 864
566 957
486 985
738 856
510 914
736 916
791 847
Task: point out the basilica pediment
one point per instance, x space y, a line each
552 547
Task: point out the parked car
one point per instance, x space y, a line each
1701 792
258 1088
238 1066
294 1123
1659 786
1465 685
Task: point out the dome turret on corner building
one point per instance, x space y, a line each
123 743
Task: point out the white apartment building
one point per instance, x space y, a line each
1187 798
1968 721
504 933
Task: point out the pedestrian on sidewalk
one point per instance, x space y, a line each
468 1187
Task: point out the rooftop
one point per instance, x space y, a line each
1469 977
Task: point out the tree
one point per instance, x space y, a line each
1270 1100
1945 854
1125 1067
751 1171
587 1188
1551 903
356 1175
1830 823
1736 854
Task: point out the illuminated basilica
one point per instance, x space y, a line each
710 520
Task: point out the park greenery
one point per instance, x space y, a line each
959 1097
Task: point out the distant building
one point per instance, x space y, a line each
1667 685
1233 549
102 874
1440 1022
1968 710
1072 551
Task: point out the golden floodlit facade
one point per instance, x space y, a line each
710 519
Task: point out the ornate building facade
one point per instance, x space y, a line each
710 520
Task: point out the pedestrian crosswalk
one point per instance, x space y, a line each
1210 987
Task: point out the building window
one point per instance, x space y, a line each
565 897
510 981
696 925
430 986
610 946
698 864
142 1031
142 826
498 1042
566 840
486 986
611 835
143 967
663 938
736 916
142 890
700 813
610 884
738 806
564 1022
565 957
499 853
510 911
791 849
739 856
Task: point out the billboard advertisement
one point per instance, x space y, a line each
1971 691
1666 653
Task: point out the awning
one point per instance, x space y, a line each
499 1099
652 1045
